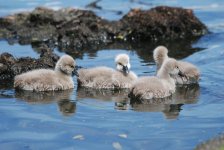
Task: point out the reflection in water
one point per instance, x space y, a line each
6 84
143 49
171 106
67 107
186 94
63 99
120 97
6 87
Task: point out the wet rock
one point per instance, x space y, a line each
6 61
73 29
161 23
216 143
10 66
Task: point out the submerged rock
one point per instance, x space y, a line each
76 29
10 66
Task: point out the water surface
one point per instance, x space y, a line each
91 119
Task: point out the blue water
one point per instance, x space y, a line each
80 119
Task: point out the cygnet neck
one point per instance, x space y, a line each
59 71
163 73
159 61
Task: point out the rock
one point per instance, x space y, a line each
7 58
2 67
73 29
216 143
77 31
9 66
161 23
6 61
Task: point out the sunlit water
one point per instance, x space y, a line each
88 119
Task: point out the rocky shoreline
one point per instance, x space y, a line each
10 66
74 30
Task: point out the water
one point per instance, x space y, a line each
88 119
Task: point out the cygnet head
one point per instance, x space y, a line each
171 67
160 53
66 65
122 63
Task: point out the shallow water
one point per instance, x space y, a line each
91 119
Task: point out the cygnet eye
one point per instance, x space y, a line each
177 67
120 64
72 66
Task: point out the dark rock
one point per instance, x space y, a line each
162 23
73 29
6 61
9 66
216 143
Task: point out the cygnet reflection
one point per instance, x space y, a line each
62 98
6 84
118 96
170 106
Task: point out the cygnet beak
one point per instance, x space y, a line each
181 74
125 69
78 67
75 73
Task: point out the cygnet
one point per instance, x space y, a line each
160 86
108 78
190 73
46 79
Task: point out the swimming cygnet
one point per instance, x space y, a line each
46 79
159 86
123 77
190 73
107 78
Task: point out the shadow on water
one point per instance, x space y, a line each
171 106
63 99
